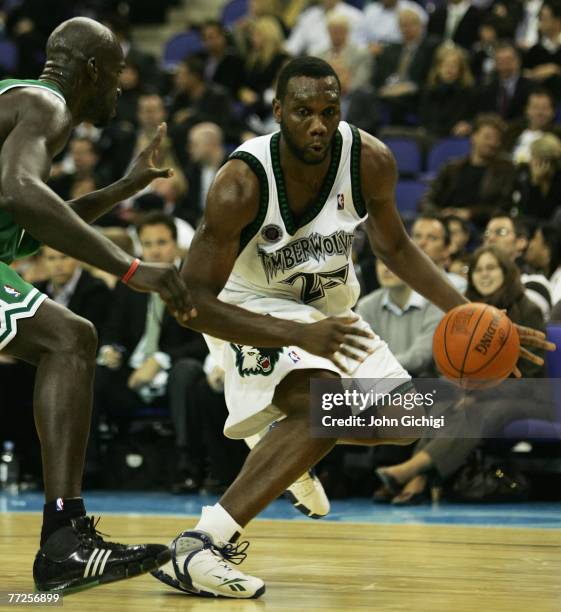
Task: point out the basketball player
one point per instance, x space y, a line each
79 83
271 273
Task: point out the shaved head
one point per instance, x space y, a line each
82 38
85 59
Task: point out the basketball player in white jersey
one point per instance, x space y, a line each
270 272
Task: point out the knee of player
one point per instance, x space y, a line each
80 338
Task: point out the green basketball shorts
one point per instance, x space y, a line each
18 300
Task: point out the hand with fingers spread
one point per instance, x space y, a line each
334 337
144 170
533 338
165 280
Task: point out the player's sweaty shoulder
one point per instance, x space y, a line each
234 195
377 164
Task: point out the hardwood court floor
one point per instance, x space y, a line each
314 566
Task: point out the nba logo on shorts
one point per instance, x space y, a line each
11 291
59 504
340 201
294 356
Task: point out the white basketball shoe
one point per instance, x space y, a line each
307 493
199 567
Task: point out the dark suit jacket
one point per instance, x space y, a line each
467 30
488 98
229 73
387 63
127 321
91 299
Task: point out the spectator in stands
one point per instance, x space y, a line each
543 60
81 175
457 21
142 341
539 116
508 91
511 237
447 102
263 62
242 30
195 100
544 255
145 63
206 153
404 319
430 233
476 185
540 180
493 279
71 286
527 30
380 25
402 68
483 52
460 235
131 90
222 65
310 36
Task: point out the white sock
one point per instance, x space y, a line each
219 524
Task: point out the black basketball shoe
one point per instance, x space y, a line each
77 557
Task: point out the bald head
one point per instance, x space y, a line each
85 60
82 38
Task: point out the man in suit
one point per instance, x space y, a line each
457 20
402 68
508 92
143 343
70 285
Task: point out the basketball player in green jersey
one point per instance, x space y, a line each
79 83
276 240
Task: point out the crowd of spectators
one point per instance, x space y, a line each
484 70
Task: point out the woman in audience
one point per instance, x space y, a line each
264 60
544 255
447 101
493 279
540 180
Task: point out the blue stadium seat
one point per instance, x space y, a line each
407 155
538 428
233 11
8 55
408 193
445 150
180 46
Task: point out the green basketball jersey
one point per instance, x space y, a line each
15 243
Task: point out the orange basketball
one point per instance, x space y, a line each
476 346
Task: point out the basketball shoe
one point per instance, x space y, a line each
307 493
199 567
77 557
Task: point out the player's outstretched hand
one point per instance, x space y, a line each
534 338
336 336
164 279
144 170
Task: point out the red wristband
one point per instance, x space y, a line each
130 272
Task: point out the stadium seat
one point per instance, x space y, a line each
233 11
408 193
407 155
538 428
180 46
8 55
445 150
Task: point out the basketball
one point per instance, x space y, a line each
476 346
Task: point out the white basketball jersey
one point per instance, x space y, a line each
309 261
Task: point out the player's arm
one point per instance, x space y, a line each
25 162
386 233
392 245
141 173
232 205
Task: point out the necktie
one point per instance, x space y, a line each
154 314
